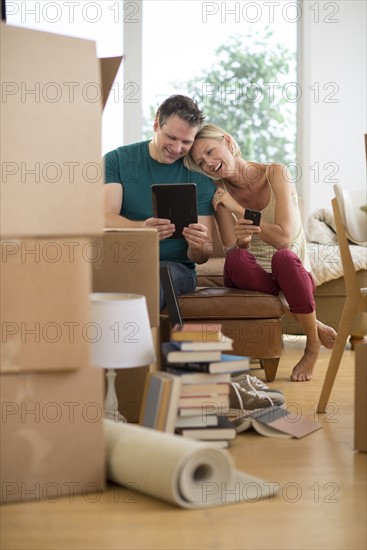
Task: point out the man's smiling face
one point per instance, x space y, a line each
172 140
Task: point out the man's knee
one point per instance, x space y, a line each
185 283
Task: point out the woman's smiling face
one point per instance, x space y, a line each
213 156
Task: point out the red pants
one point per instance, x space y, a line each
288 275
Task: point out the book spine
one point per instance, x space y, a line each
191 366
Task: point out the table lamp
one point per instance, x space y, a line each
123 339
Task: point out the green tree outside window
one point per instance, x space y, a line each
249 92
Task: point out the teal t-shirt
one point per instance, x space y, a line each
133 167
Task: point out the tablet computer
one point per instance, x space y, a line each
176 202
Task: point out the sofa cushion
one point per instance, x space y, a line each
229 303
210 273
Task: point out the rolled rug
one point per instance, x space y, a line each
184 472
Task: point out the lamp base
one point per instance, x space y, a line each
111 411
115 416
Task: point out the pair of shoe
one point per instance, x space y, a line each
248 393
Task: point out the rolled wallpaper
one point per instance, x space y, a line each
178 470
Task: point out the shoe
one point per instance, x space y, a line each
247 400
251 383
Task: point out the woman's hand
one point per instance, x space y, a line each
223 198
245 230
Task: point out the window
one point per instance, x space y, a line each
237 59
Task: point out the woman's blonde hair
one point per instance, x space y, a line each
211 131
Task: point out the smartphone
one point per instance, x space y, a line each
253 215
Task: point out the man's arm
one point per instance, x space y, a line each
113 198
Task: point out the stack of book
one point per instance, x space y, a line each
194 347
196 355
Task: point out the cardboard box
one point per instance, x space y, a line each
52 100
52 437
45 306
360 411
129 262
129 385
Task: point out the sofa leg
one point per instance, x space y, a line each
270 367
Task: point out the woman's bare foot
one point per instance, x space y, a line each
302 372
326 334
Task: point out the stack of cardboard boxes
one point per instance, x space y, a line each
52 441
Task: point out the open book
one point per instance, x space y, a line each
273 422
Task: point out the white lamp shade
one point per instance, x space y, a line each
122 336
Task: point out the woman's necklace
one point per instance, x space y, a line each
225 189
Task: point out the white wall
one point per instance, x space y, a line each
332 125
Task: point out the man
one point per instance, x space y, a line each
132 169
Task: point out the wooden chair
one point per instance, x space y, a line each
356 300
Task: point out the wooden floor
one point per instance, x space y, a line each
322 503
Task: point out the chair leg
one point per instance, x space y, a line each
356 340
336 355
270 367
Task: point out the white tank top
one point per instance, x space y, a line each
264 251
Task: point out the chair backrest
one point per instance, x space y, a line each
350 275
353 217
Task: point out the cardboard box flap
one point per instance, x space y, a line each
109 69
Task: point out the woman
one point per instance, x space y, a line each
271 258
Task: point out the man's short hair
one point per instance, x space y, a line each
182 106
